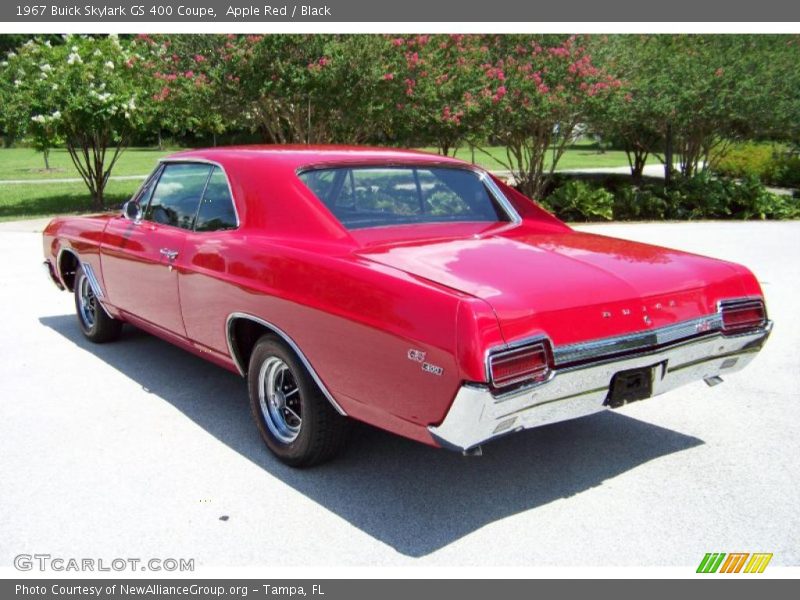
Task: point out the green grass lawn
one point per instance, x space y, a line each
22 201
26 163
19 201
579 156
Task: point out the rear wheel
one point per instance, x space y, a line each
94 321
294 418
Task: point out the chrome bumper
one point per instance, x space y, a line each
476 416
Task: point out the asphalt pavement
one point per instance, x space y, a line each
138 449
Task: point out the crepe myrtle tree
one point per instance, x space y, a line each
80 92
535 92
191 83
632 120
283 87
433 81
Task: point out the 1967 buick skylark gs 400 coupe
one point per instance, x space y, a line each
413 292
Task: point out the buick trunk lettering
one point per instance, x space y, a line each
410 291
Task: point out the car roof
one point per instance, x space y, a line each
298 156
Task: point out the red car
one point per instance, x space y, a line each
413 292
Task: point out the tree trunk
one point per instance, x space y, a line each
46 154
668 157
160 140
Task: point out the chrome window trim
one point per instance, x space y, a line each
485 178
205 161
285 336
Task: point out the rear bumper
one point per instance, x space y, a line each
476 416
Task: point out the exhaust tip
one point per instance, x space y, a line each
712 381
474 451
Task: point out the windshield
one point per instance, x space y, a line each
378 196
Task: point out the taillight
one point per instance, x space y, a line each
740 315
527 364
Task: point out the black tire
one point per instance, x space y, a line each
298 424
93 320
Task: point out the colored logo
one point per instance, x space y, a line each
734 562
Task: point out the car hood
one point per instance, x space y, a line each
572 286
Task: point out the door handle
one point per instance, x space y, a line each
170 254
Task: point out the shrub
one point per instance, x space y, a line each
746 159
700 197
785 171
773 164
635 203
580 201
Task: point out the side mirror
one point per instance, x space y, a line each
131 211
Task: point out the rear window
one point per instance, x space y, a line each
362 197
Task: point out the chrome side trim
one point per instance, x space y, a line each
598 349
92 278
285 337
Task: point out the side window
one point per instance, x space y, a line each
177 194
216 210
143 197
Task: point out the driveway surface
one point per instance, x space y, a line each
138 449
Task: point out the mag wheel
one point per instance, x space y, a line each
294 418
94 321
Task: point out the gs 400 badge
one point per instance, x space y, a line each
419 356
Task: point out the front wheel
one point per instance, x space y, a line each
294 418
94 321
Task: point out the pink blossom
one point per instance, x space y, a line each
199 58
413 59
398 42
388 76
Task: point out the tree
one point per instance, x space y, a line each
191 83
433 82
536 90
84 92
282 87
634 119
695 94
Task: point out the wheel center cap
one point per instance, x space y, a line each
278 399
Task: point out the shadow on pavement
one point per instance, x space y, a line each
414 498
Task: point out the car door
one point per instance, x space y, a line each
203 282
141 258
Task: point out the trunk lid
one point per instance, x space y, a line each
572 286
